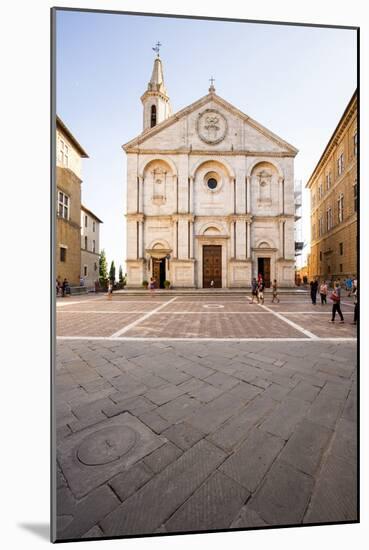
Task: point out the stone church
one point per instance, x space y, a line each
210 195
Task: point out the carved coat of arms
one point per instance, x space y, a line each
211 126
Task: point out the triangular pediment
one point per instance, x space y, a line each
181 131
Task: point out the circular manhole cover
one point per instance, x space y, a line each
106 445
218 306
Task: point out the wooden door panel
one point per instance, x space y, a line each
212 266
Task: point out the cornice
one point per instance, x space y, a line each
210 152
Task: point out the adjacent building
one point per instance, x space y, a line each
334 202
90 247
210 195
69 157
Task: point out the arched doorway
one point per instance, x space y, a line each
159 256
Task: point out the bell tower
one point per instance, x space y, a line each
155 100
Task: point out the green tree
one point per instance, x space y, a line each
103 269
112 272
120 275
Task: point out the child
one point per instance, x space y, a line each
152 286
254 290
323 292
110 290
261 287
275 291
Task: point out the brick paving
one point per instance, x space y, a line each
193 316
176 436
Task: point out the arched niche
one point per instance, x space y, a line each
265 179
158 176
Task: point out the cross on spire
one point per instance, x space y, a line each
212 87
157 48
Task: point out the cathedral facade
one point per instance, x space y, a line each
210 196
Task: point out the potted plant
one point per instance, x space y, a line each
145 284
166 284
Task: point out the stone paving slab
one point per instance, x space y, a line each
272 440
304 449
284 495
212 506
251 461
335 497
145 511
92 456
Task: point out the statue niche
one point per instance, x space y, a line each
159 186
265 194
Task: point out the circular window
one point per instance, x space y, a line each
212 183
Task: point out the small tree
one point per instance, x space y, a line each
112 272
103 269
120 276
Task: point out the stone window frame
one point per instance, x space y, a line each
85 270
340 212
340 164
86 243
320 188
63 205
63 255
354 190
63 152
212 174
329 218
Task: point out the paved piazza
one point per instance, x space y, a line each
184 413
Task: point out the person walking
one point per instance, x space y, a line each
356 305
110 290
275 291
64 287
254 291
336 299
152 284
261 287
58 286
323 290
313 290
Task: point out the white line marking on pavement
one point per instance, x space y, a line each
291 323
62 304
106 312
127 312
143 318
165 339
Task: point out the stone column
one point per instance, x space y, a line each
175 229
248 240
175 179
140 238
190 195
191 239
248 197
141 194
240 239
281 255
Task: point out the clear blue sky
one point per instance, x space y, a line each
296 81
